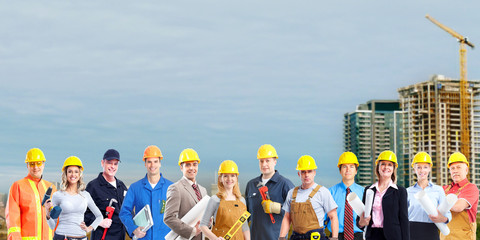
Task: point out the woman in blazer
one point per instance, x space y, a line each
389 215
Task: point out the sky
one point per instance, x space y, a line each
221 77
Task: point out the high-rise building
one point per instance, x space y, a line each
371 129
431 123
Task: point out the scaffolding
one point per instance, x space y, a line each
432 123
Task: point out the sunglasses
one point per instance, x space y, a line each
33 164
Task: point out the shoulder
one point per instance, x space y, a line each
167 182
85 194
120 183
215 199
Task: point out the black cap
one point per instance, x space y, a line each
111 154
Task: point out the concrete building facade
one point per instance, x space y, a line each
431 123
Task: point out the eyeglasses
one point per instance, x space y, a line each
33 164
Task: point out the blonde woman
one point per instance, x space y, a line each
389 215
226 207
421 224
74 200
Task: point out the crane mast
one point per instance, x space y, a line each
464 98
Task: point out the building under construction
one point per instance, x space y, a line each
432 123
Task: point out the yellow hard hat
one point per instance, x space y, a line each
347 158
387 156
188 155
422 157
457 157
35 155
152 151
228 166
306 162
266 151
72 161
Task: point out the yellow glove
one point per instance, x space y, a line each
271 207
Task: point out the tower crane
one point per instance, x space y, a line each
464 99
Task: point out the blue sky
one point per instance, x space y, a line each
221 77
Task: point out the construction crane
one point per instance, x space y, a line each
464 99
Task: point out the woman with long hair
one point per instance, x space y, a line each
73 200
421 224
389 215
227 206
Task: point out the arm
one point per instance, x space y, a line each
12 213
88 218
361 220
172 207
334 222
403 213
460 205
126 211
212 207
246 235
95 211
285 225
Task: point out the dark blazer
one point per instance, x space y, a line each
395 214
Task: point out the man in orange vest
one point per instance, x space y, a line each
464 223
24 214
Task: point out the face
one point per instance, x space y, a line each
110 167
189 170
35 169
307 176
229 180
348 171
386 169
73 174
422 170
458 171
153 165
267 165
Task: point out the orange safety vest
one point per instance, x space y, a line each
25 216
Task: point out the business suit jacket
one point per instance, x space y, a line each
180 199
395 214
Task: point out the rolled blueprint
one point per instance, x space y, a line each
356 203
191 218
368 202
428 206
447 204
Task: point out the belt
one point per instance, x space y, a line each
298 236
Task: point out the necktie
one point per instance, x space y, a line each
197 191
348 221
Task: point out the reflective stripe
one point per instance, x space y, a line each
39 210
30 238
13 229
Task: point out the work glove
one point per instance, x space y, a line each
271 207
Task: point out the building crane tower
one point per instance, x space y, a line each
464 99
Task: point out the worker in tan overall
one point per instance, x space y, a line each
306 205
226 207
463 225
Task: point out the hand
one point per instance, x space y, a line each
439 218
139 233
197 228
85 228
106 223
48 204
364 221
271 207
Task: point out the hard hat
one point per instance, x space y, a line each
188 155
35 155
152 151
266 151
422 157
306 162
347 158
228 166
387 156
72 161
457 157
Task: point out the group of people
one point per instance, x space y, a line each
277 208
